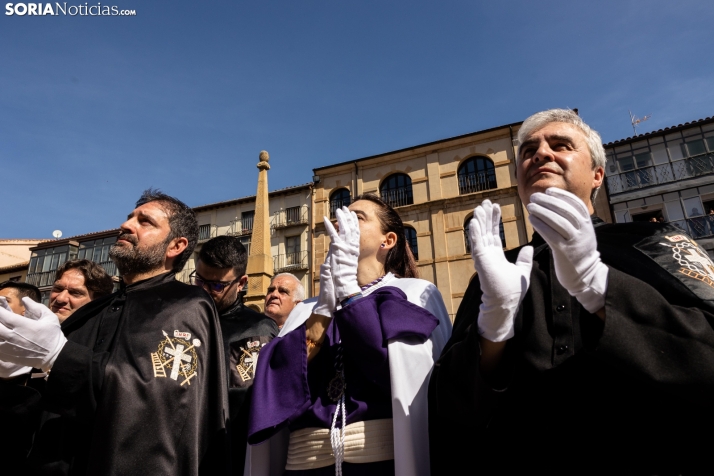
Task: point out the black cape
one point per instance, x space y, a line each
245 332
116 402
630 396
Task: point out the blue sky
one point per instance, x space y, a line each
185 94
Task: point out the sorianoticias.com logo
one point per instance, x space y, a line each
57 8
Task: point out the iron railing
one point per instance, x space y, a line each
206 232
469 183
290 261
335 204
241 226
290 217
659 174
697 227
46 278
398 197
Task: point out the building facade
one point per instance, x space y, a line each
48 256
289 229
434 187
667 175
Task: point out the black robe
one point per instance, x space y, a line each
576 396
116 403
245 332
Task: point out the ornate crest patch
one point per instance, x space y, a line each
685 259
176 357
244 360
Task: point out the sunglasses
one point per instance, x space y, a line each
215 286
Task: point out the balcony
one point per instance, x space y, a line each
660 174
398 197
290 217
243 226
110 267
338 203
206 232
697 227
290 262
46 278
476 182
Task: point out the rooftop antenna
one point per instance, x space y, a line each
57 234
635 121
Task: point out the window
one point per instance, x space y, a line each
246 221
292 215
204 232
292 250
338 199
98 251
467 243
476 174
245 241
44 263
412 241
396 190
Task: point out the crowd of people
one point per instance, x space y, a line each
588 350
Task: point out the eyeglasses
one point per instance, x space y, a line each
215 286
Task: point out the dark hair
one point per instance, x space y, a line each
182 221
96 278
23 290
400 260
224 252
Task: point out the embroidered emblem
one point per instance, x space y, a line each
176 357
244 360
693 261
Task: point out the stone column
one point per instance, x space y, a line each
260 260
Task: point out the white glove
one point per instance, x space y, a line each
503 284
344 251
563 220
34 340
326 301
8 369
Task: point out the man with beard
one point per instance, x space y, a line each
220 271
135 381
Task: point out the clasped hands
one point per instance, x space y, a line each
30 341
563 220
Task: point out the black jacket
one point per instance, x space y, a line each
116 402
245 332
630 396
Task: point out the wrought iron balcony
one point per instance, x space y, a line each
290 217
110 267
697 227
290 262
206 232
398 197
335 204
659 174
46 278
469 183
243 226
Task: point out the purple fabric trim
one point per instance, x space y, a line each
398 318
280 389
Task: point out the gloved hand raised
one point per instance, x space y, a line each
503 284
563 220
344 251
34 340
326 301
8 369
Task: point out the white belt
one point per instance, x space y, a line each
365 442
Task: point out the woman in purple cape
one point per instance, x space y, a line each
347 375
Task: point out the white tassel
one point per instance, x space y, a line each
337 436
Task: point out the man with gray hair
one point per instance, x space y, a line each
284 292
591 349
